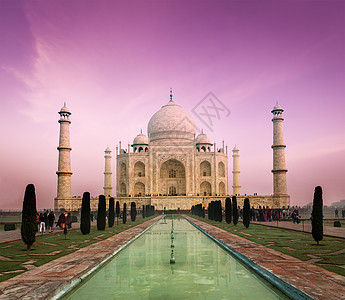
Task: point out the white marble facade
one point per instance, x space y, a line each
172 161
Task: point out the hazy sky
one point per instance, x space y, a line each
114 62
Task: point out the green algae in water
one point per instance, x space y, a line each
202 270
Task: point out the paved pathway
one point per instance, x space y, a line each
313 280
14 235
306 227
44 281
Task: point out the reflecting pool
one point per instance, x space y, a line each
202 270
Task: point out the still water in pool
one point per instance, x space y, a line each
202 270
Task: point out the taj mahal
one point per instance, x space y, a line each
172 167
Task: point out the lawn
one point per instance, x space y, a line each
330 254
15 259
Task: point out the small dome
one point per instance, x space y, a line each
141 139
64 108
202 138
107 149
277 108
235 149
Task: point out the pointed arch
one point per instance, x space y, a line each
139 169
139 189
221 169
221 188
205 188
205 168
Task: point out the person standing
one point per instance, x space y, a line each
63 220
69 221
51 219
42 223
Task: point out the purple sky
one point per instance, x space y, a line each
113 62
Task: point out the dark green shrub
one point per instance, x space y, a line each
246 213
198 210
211 211
85 218
317 215
124 217
111 216
12 226
133 211
101 213
29 222
234 210
228 214
144 212
337 224
117 211
219 212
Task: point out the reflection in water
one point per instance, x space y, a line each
202 270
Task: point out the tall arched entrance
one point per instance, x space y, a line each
139 189
205 188
172 179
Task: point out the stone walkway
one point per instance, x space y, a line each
313 280
44 281
338 232
14 235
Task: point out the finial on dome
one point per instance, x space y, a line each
202 130
141 131
171 95
64 104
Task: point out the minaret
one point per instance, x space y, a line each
107 173
279 168
236 187
64 168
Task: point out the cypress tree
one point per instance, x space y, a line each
117 211
29 222
85 218
101 213
228 215
210 213
124 217
133 211
246 213
220 211
235 210
213 210
144 214
111 217
317 225
216 213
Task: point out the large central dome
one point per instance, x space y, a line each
171 122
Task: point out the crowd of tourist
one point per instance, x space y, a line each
268 214
46 219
